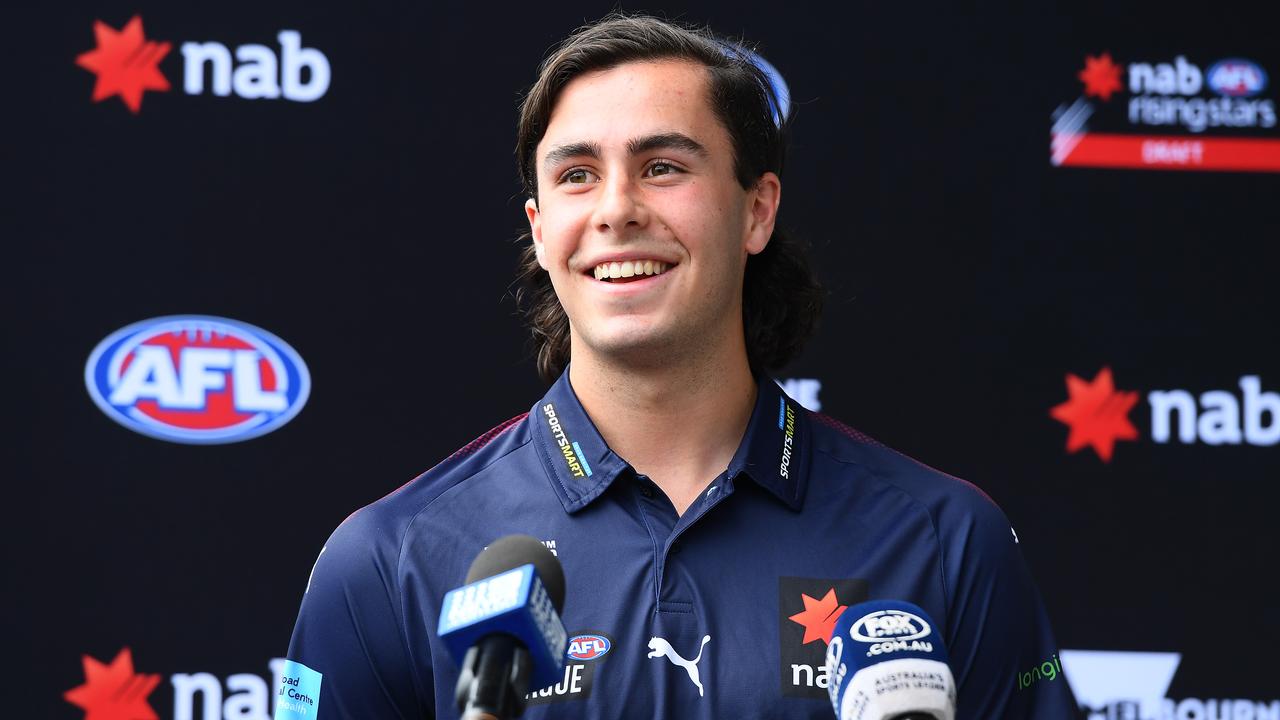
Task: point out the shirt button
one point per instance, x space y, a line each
646 490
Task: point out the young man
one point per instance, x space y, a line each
709 527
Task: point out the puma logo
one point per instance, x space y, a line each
659 647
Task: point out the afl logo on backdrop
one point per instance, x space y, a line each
1236 77
197 379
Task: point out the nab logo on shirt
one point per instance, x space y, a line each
127 64
197 379
808 609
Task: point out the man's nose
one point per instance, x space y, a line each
620 205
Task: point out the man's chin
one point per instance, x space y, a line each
634 345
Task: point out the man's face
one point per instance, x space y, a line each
636 178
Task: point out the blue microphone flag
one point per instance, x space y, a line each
512 603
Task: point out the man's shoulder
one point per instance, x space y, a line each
387 518
963 517
934 489
362 556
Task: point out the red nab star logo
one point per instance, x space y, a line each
1097 414
819 617
125 63
1101 76
114 692
808 609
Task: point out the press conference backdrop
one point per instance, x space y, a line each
1048 231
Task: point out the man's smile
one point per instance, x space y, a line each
629 270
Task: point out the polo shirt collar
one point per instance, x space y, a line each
775 449
581 466
773 452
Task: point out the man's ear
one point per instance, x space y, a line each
762 212
535 229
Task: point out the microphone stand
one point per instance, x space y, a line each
494 679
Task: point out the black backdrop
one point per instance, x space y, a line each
372 230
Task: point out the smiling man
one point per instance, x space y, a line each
644 231
710 528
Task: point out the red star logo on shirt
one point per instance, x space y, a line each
1101 76
819 617
125 63
114 692
1097 414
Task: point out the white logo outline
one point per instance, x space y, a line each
892 624
659 647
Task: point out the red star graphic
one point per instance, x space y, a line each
819 617
1101 76
114 692
1097 414
125 63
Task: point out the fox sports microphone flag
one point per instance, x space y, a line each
886 661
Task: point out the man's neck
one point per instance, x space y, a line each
679 423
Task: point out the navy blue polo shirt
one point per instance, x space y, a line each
724 612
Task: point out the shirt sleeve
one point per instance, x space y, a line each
1000 641
349 640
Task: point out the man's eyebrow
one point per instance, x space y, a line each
560 153
635 146
666 141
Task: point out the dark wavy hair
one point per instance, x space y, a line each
781 295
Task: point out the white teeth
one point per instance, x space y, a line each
629 268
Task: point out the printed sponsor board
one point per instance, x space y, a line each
197 379
1115 685
1098 415
115 689
126 65
1173 113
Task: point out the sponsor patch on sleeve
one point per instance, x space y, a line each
298 697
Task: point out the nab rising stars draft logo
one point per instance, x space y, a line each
197 379
1219 117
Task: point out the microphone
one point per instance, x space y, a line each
885 662
503 627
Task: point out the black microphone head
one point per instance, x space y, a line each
512 551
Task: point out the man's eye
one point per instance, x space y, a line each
576 177
661 168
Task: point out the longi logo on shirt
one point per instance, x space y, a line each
808 609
